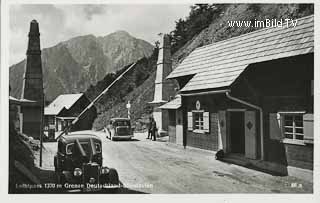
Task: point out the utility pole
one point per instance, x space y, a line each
41 130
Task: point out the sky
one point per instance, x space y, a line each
61 22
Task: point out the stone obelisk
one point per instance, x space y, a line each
164 89
32 115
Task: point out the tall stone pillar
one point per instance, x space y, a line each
164 89
32 115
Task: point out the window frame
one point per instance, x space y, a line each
294 139
200 125
71 144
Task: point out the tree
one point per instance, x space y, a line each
200 17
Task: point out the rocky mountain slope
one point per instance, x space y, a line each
72 66
111 105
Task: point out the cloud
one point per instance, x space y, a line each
61 22
90 10
49 18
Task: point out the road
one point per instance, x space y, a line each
146 166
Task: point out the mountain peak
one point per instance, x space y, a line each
79 62
121 32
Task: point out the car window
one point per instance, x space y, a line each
60 147
69 148
85 146
123 123
98 147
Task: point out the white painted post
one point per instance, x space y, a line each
128 106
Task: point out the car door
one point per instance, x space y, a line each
60 155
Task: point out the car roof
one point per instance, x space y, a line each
81 137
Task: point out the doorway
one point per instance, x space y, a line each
172 126
237 132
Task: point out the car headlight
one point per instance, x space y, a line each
104 170
77 172
92 180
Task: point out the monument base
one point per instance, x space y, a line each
162 133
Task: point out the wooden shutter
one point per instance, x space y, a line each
206 122
308 126
275 126
222 131
190 121
250 134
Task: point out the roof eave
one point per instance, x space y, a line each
205 92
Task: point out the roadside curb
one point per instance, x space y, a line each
191 149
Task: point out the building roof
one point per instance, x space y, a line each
218 65
15 101
62 101
52 110
173 104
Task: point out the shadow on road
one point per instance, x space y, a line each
129 191
131 140
254 167
161 140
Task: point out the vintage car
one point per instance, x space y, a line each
78 164
119 128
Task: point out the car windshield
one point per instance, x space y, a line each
85 146
122 123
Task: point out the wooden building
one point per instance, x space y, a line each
251 96
65 108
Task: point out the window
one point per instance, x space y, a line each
51 120
293 126
122 123
60 147
85 146
198 121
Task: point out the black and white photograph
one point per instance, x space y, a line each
159 98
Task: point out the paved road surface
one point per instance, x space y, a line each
157 167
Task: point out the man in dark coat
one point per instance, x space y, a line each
153 129
149 128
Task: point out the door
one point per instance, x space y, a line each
179 127
250 134
172 126
237 134
59 125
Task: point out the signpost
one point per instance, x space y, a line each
128 106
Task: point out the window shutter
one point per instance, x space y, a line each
206 124
275 126
308 126
190 121
222 138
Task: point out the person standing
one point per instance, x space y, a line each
153 129
149 128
